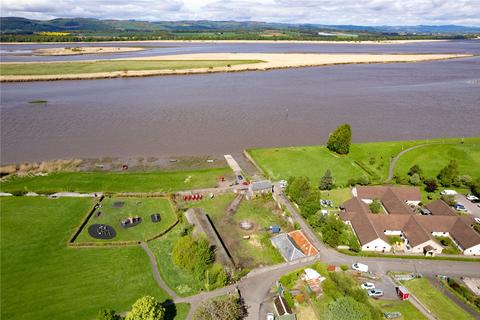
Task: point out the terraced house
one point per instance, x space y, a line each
400 219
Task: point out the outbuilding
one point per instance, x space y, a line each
402 293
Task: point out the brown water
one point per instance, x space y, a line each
224 113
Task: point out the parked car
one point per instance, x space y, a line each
375 293
270 316
472 198
283 184
367 285
360 267
448 192
477 220
459 207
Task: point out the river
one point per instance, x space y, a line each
227 112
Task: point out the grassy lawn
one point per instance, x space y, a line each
433 158
164 181
22 69
365 159
41 278
182 282
442 307
408 311
262 212
448 246
133 207
338 196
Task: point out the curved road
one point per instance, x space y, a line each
256 286
391 169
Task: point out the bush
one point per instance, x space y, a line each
217 277
375 206
326 182
449 174
340 139
449 199
363 181
415 169
401 179
415 179
224 308
475 187
344 267
430 185
298 188
107 314
193 256
466 180
351 182
146 308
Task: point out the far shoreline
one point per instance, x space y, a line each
378 42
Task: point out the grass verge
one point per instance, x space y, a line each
60 68
163 181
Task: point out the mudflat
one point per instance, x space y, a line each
72 51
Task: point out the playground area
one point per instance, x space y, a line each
128 219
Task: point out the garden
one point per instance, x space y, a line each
249 246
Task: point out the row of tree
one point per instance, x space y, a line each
448 176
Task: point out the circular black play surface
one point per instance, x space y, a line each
102 231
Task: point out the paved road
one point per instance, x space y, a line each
473 208
391 169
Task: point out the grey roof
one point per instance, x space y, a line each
260 185
287 247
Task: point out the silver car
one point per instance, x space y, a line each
375 293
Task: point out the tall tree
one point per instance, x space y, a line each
340 139
449 174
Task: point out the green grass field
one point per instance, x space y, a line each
365 159
41 278
440 306
164 181
133 207
408 311
54 68
182 282
433 158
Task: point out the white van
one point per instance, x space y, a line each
360 267
448 192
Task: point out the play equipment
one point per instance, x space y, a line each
196 196
130 222
101 231
155 217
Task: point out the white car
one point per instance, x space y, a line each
375 293
472 198
367 285
283 184
270 316
360 267
477 220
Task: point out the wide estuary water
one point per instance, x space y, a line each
224 113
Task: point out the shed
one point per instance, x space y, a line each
402 293
275 229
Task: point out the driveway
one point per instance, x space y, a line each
472 208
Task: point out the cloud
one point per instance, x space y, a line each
364 12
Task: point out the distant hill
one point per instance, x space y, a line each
17 25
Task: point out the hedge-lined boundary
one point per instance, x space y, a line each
84 222
72 243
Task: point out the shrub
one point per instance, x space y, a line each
193 256
146 308
326 182
414 179
352 182
217 277
344 267
449 199
401 179
466 180
107 314
449 174
224 308
430 185
415 169
363 181
475 187
375 206
340 139
298 188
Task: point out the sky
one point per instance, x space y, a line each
356 12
